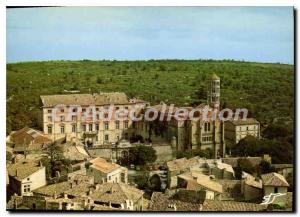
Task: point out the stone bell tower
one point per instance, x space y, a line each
214 92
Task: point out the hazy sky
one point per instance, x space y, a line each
263 34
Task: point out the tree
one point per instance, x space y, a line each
155 183
275 131
243 165
55 156
142 181
265 167
141 155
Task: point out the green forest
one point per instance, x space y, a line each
266 90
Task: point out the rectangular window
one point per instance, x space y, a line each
97 127
117 125
90 127
83 110
49 111
126 124
50 129
74 128
105 115
62 129
106 137
106 126
97 117
83 127
50 118
276 190
74 118
62 118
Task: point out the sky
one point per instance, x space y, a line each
260 34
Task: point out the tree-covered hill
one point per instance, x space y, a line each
267 90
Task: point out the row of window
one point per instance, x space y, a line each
207 138
90 127
62 110
248 128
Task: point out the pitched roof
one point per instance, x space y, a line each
274 179
217 205
23 169
116 193
50 190
182 163
29 136
240 121
88 99
68 187
196 180
163 202
102 165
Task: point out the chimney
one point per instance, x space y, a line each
65 196
40 164
97 187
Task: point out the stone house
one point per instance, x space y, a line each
27 140
274 183
104 171
26 176
198 182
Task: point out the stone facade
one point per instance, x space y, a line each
237 130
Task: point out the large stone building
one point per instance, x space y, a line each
235 130
189 133
79 116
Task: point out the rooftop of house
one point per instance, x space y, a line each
251 180
116 98
23 168
164 202
69 187
102 165
182 163
274 179
231 206
116 193
240 122
196 180
73 152
28 136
